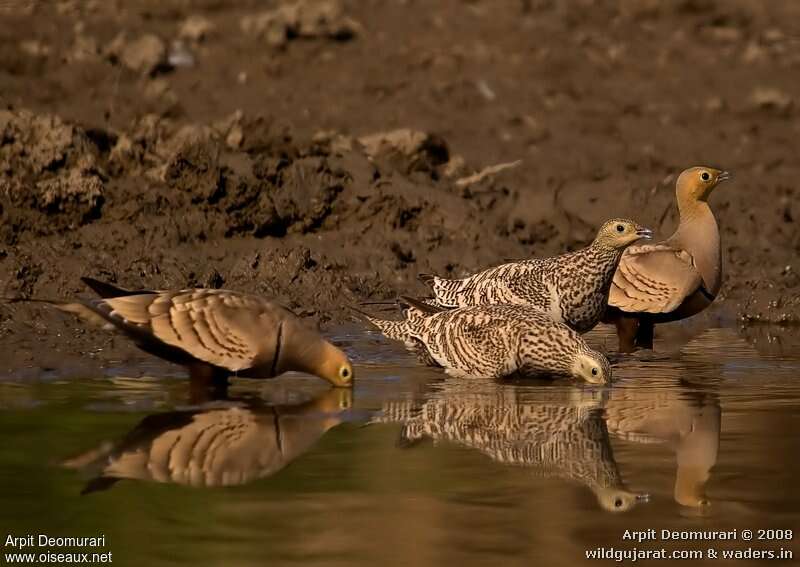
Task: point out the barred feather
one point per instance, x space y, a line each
572 288
494 341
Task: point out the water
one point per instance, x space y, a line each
412 468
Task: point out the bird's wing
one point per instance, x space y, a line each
480 343
654 279
223 328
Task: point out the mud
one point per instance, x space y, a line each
313 150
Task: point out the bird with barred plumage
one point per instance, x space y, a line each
571 288
495 341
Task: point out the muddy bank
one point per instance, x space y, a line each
313 150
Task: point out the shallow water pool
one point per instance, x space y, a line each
412 467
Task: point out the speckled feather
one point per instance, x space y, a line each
572 288
491 340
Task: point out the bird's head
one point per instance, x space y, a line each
592 367
304 349
335 367
618 499
697 183
621 233
690 484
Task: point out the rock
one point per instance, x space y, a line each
160 92
123 152
235 137
194 169
754 53
145 54
455 166
32 144
180 55
157 89
336 142
34 48
771 98
196 28
303 18
714 104
409 150
77 194
84 48
725 34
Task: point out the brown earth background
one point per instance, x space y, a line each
321 151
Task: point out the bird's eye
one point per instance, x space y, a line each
344 372
618 503
620 228
595 371
705 176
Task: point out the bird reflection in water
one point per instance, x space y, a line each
222 444
556 433
685 419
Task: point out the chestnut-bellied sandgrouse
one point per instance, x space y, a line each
572 288
215 333
495 341
674 279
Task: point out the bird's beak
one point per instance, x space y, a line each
643 232
643 497
724 176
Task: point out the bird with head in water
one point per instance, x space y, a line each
572 288
495 341
215 333
673 279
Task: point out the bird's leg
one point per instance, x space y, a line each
627 328
644 334
207 383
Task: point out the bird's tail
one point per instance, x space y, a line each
428 279
414 307
397 330
74 307
444 290
107 290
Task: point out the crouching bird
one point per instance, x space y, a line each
673 279
495 341
215 333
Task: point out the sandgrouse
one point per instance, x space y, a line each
572 288
495 341
215 333
674 279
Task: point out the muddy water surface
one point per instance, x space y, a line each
412 468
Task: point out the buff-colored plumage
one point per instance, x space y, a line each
216 332
560 435
572 288
496 341
217 446
673 279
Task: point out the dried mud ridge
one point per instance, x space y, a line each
320 223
